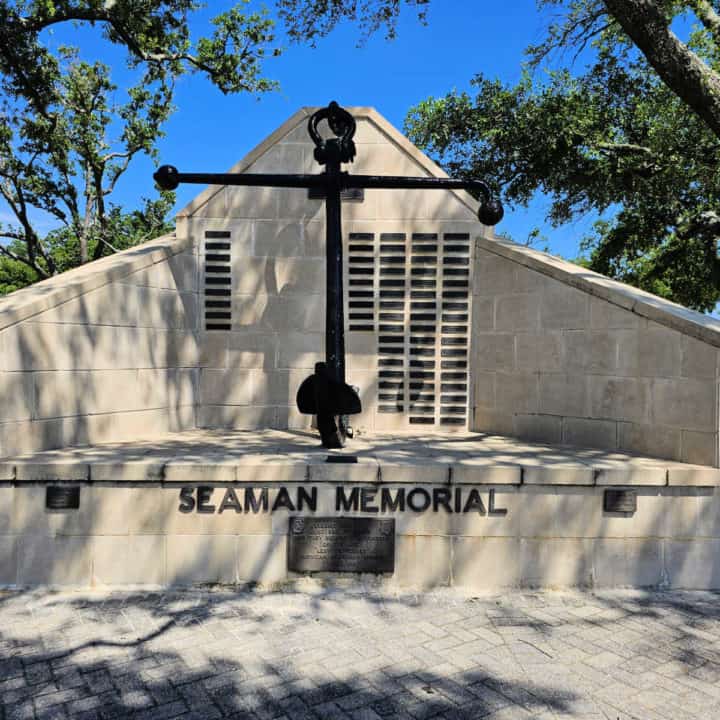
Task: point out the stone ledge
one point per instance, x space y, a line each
50 293
641 303
274 457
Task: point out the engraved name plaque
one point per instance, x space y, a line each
341 544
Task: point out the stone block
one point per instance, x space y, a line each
558 473
366 470
196 559
591 353
422 561
8 560
655 352
539 353
237 417
220 387
620 398
628 562
699 359
494 351
587 432
495 422
516 392
17 392
708 520
294 204
361 350
168 309
693 564
564 308
693 475
245 202
493 274
298 275
556 563
485 563
31 517
252 350
562 394
134 560
284 157
699 448
654 440
61 560
484 389
262 559
214 349
520 313
649 520
538 428
278 238
483 313
479 472
627 472
527 280
604 314
684 403
280 313
301 350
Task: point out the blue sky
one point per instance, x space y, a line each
210 131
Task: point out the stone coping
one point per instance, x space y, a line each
47 294
275 456
652 307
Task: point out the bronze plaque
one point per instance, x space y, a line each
340 544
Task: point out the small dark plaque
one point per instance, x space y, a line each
348 194
350 459
62 498
337 544
622 501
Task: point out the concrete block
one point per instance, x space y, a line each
262 558
301 350
485 563
653 440
277 238
247 202
134 560
168 309
627 562
195 559
298 275
213 349
649 521
699 448
556 563
538 428
366 470
422 561
519 313
591 353
8 560
699 359
361 350
693 475
587 432
604 314
539 353
563 307
61 560
237 417
282 158
494 351
629 473
655 352
294 204
558 473
219 387
251 350
280 313
708 521
495 422
620 398
516 392
527 280
693 564
562 394
684 403
17 392
483 313
479 472
493 274
484 389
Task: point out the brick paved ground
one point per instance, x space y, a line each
359 654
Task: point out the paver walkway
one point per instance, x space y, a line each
356 653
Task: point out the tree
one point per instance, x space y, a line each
633 136
67 134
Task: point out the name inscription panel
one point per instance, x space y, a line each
341 544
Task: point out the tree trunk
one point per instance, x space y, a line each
680 69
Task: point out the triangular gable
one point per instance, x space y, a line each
296 125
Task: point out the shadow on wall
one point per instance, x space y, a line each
115 363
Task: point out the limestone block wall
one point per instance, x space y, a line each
273 243
102 353
563 355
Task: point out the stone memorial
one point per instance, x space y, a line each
523 421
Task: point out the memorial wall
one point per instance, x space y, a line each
506 398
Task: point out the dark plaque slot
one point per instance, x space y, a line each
453 387
391 397
424 248
423 283
456 283
361 271
361 316
422 294
453 352
390 362
452 420
218 303
391 373
224 292
390 328
391 283
454 341
422 421
218 315
621 501
361 248
424 236
453 376
217 234
424 260
391 305
361 293
456 271
62 498
361 259
454 317
217 326
392 260
361 236
424 271
396 317
422 363
392 271
390 237
421 305
456 260
422 351
218 280
400 350
454 306
386 409
456 249
217 257
449 237
359 545
392 293
396 249
347 459
449 364
454 294
360 303
415 340
362 328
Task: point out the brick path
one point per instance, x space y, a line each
359 654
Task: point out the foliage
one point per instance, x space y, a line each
67 133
